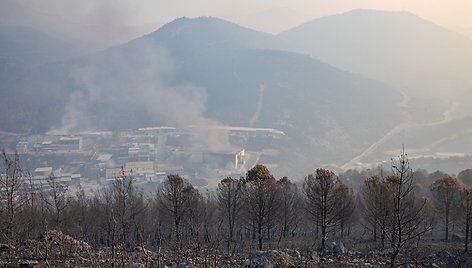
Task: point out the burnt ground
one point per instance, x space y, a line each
431 253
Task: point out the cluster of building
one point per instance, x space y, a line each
92 159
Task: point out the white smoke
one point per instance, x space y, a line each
119 82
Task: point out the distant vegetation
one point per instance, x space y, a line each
394 210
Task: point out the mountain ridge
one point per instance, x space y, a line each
398 48
211 72
198 77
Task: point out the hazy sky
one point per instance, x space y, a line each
444 12
265 15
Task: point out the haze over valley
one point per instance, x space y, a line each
345 90
269 133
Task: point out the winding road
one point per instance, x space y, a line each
447 116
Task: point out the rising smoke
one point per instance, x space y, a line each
127 87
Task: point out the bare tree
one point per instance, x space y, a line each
30 213
78 213
376 207
128 204
466 206
259 199
12 180
289 206
56 199
212 224
408 211
173 198
429 219
193 219
229 198
324 201
347 199
446 196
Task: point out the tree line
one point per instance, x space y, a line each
256 211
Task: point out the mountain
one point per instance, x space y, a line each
30 46
25 48
398 48
274 20
209 32
428 63
208 72
24 51
93 34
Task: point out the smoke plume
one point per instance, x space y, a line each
128 87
